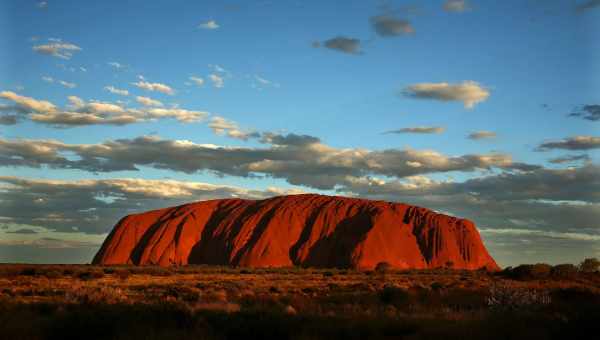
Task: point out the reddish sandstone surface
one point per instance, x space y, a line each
304 230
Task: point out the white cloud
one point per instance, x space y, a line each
154 87
261 83
181 115
543 233
148 101
78 206
588 5
218 68
57 49
572 143
456 6
197 80
342 44
115 90
80 112
209 25
388 26
67 84
48 79
469 92
570 159
477 135
217 81
72 68
28 103
222 126
299 159
116 65
419 129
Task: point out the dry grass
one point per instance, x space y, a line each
221 302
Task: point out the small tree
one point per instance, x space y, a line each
589 265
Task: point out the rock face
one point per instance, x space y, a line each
305 230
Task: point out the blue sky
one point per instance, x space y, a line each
533 59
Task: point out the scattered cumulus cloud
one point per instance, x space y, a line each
222 126
148 101
115 90
218 68
116 65
342 44
77 206
154 87
209 25
217 81
419 129
42 4
57 49
588 112
261 83
182 115
388 26
72 68
544 233
197 80
570 159
67 84
64 83
469 92
80 112
28 103
572 143
477 135
456 6
299 159
588 5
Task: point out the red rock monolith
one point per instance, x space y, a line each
296 230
